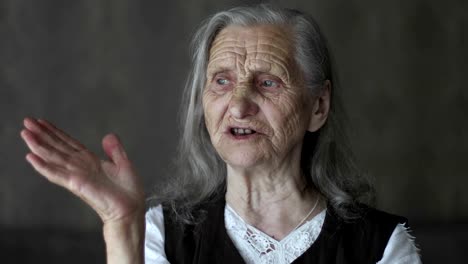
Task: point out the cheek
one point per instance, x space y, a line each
214 109
288 117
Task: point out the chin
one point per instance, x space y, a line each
243 158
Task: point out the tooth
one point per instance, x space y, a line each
247 131
235 130
241 131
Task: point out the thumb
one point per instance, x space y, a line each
114 149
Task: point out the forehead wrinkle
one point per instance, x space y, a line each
272 43
286 60
270 53
251 51
229 51
283 64
250 48
233 50
219 42
222 42
225 55
279 33
259 39
258 48
250 65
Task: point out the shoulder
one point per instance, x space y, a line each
373 226
368 218
364 238
155 236
376 222
377 216
401 247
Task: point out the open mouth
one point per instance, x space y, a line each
242 131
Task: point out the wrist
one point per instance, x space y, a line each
124 239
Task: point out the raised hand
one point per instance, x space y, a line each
111 188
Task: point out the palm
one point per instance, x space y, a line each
111 188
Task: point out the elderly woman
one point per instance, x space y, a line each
264 173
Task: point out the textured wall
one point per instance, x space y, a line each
95 66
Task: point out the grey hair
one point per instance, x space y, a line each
326 160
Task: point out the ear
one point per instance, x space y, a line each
320 108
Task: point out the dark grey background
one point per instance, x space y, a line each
96 66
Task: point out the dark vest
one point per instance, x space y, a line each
362 241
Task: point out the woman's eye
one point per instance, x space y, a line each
269 83
222 81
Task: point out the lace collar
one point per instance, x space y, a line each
257 247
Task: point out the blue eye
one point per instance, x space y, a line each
268 83
222 81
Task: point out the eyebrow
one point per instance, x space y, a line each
220 65
218 70
269 67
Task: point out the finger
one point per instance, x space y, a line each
43 150
49 171
114 149
62 135
47 136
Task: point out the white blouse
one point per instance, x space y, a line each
256 247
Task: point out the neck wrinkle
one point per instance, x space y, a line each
272 197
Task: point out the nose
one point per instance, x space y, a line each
242 105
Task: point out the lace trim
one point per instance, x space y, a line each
257 247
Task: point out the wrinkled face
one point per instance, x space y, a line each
255 104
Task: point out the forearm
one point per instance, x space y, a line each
125 240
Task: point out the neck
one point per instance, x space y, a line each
274 201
